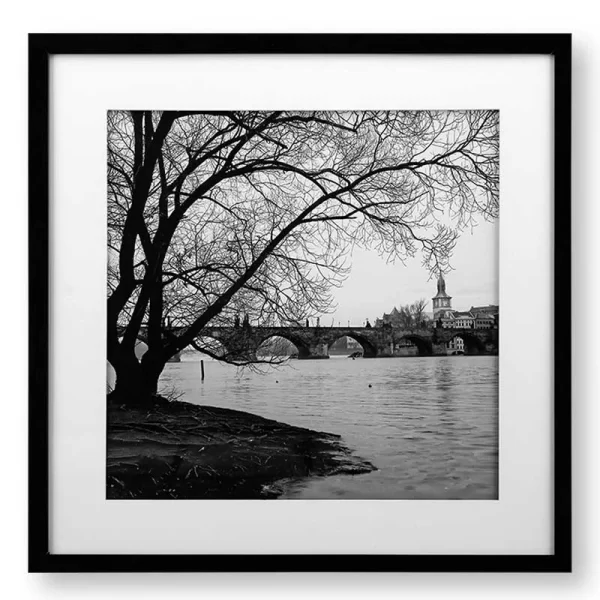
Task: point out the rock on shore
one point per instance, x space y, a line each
181 450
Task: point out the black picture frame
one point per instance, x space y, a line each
43 46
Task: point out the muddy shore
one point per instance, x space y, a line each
181 450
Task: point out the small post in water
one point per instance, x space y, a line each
202 369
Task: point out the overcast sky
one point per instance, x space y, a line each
375 287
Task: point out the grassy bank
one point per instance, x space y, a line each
180 450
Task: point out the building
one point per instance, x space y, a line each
486 317
344 345
478 317
463 320
393 318
442 302
403 319
456 346
485 322
490 309
352 344
467 320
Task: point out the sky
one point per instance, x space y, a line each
374 287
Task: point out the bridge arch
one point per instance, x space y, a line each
424 347
369 348
302 347
472 344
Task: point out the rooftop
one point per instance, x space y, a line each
490 308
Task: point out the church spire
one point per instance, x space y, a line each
441 284
442 302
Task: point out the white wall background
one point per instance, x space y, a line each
577 16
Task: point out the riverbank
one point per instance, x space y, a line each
186 451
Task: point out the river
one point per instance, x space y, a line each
429 424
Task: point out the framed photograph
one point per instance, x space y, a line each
266 274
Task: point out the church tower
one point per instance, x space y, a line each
441 301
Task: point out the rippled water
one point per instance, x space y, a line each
429 424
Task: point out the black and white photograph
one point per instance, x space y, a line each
302 305
265 275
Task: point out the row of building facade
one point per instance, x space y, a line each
477 317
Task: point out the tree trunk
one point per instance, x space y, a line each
137 382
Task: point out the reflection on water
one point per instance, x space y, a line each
429 425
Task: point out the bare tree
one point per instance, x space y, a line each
405 317
212 215
417 310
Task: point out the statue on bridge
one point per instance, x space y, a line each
236 322
246 323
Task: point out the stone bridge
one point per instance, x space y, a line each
314 342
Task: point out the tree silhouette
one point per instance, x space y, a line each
417 310
214 214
